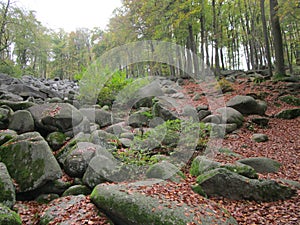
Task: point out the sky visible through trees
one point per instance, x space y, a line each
225 34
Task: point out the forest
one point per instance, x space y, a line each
225 34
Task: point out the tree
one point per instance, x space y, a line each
266 36
277 38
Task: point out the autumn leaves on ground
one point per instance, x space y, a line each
283 146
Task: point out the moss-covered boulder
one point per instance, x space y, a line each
56 140
134 208
9 217
77 190
201 164
6 135
223 182
21 122
29 161
7 189
291 100
288 114
262 164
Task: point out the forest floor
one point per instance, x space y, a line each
283 146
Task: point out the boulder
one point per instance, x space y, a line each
288 114
5 114
230 116
46 198
15 106
56 140
164 170
260 137
261 164
9 217
138 119
76 161
59 206
30 161
5 79
247 105
7 189
98 116
164 108
6 135
222 182
26 91
260 121
128 207
103 168
21 122
202 164
52 117
77 190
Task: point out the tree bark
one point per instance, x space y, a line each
265 31
277 38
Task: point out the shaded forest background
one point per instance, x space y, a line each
225 34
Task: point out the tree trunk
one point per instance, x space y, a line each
277 38
265 31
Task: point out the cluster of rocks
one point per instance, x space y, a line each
41 117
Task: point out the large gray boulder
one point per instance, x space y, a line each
230 116
99 116
26 91
52 117
202 164
21 122
262 164
30 161
164 108
133 208
57 207
225 183
9 217
5 79
79 157
103 168
164 170
247 105
5 114
7 189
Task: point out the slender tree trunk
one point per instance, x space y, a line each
266 37
277 38
3 44
215 38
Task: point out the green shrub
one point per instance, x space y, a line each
112 87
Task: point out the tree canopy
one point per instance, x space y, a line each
225 34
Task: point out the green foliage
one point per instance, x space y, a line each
112 87
135 157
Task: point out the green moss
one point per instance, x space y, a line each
198 189
194 170
291 100
6 195
20 164
145 214
8 216
243 170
